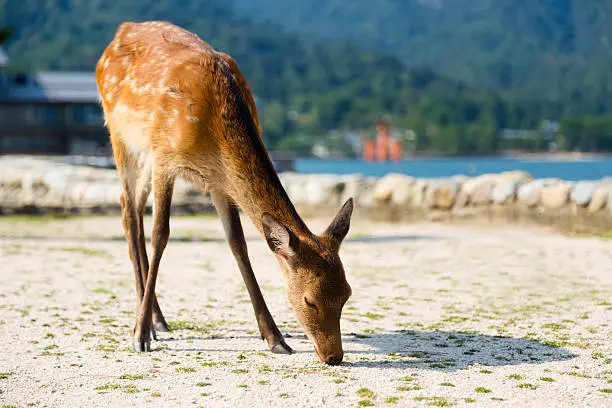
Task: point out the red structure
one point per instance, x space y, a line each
384 148
395 150
382 140
368 150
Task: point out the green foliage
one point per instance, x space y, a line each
308 86
544 47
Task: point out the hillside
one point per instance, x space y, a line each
535 48
305 88
321 69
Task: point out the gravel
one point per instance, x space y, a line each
440 315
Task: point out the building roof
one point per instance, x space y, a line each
68 86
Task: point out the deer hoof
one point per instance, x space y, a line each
281 348
162 327
142 346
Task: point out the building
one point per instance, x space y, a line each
50 113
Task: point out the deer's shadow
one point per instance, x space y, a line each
429 350
447 350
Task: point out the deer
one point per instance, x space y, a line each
176 107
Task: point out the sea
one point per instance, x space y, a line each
563 168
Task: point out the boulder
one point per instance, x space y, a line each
555 196
462 200
601 197
323 190
294 186
94 195
583 191
359 187
419 192
530 192
505 191
472 184
393 188
482 193
442 194
517 176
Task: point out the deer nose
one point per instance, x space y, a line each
334 359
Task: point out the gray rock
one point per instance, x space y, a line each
582 192
505 191
359 187
530 192
323 190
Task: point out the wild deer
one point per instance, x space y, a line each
176 107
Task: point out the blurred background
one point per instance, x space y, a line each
343 86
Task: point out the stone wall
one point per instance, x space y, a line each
29 184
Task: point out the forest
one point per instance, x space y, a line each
455 73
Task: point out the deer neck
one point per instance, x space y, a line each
255 187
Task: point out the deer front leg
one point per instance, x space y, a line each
235 237
162 191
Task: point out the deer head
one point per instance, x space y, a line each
315 281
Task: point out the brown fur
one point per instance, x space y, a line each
174 106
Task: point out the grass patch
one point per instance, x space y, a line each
527 386
392 400
365 403
409 388
132 377
85 251
606 390
102 291
434 401
107 387
203 384
515 377
240 371
186 370
265 369
130 389
547 379
447 384
482 390
365 393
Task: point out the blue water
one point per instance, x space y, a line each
445 167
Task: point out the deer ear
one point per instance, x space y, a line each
280 240
339 227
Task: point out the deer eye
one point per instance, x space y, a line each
311 305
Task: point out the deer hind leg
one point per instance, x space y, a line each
163 184
235 238
143 190
135 180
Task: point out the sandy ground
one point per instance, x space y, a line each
440 315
